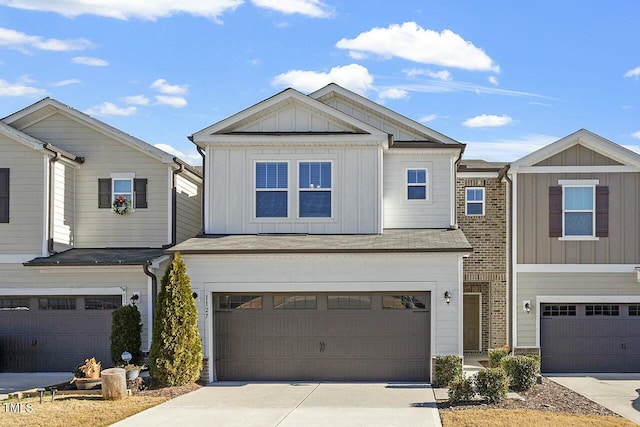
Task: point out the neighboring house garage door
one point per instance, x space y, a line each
590 337
55 333
337 336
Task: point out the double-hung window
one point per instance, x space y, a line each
578 210
474 201
314 188
416 184
123 188
272 182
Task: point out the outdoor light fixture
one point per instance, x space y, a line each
194 295
135 297
527 306
447 297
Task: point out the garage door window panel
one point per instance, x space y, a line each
349 302
102 302
294 302
13 303
404 302
558 310
240 302
60 303
602 310
634 310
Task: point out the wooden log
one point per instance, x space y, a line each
114 384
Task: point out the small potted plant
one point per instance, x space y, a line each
87 375
133 371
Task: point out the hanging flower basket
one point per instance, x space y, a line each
121 205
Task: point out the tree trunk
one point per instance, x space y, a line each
114 384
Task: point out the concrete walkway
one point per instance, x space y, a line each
231 404
618 392
21 381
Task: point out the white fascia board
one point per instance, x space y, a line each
444 150
576 268
477 175
291 140
23 138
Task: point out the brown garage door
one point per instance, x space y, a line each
322 336
54 333
590 337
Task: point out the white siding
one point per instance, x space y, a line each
63 206
189 208
101 227
432 213
531 285
355 191
24 234
296 118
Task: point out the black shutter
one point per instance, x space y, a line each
555 211
602 211
140 189
4 195
104 193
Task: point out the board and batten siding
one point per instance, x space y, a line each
103 156
356 192
536 247
188 208
432 213
531 285
337 273
24 233
63 207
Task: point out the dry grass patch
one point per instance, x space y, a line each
522 417
74 410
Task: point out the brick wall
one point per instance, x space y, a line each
485 270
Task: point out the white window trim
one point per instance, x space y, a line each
407 184
467 201
580 184
256 189
123 177
299 189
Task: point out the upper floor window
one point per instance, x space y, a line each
123 188
122 185
579 210
272 182
4 195
474 201
314 187
416 184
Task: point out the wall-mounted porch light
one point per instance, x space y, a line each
447 297
526 306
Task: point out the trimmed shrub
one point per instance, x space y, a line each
176 351
522 371
496 355
126 327
448 369
492 384
461 390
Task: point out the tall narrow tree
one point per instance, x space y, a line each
176 351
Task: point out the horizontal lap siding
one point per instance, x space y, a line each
103 156
189 208
24 233
63 207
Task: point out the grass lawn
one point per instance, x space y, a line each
73 410
523 417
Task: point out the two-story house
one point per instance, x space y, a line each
576 255
330 248
68 255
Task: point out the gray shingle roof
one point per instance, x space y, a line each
102 256
392 240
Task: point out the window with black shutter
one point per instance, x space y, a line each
4 195
578 210
107 194
104 193
140 193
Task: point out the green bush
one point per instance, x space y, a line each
492 384
176 351
507 364
461 390
448 369
496 355
126 328
522 371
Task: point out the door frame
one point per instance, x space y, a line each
479 295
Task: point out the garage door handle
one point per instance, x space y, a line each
624 345
322 346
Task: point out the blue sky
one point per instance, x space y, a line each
505 77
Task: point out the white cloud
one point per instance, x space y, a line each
67 82
136 100
393 93
162 86
411 42
439 75
428 118
633 73
438 86
487 120
311 8
23 42
142 9
192 158
353 77
636 135
172 101
110 109
493 80
506 150
21 88
90 61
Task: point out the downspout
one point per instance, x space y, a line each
154 287
204 180
454 226
174 202
503 174
52 162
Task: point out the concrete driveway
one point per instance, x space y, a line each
231 404
618 392
21 381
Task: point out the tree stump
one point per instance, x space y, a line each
114 384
